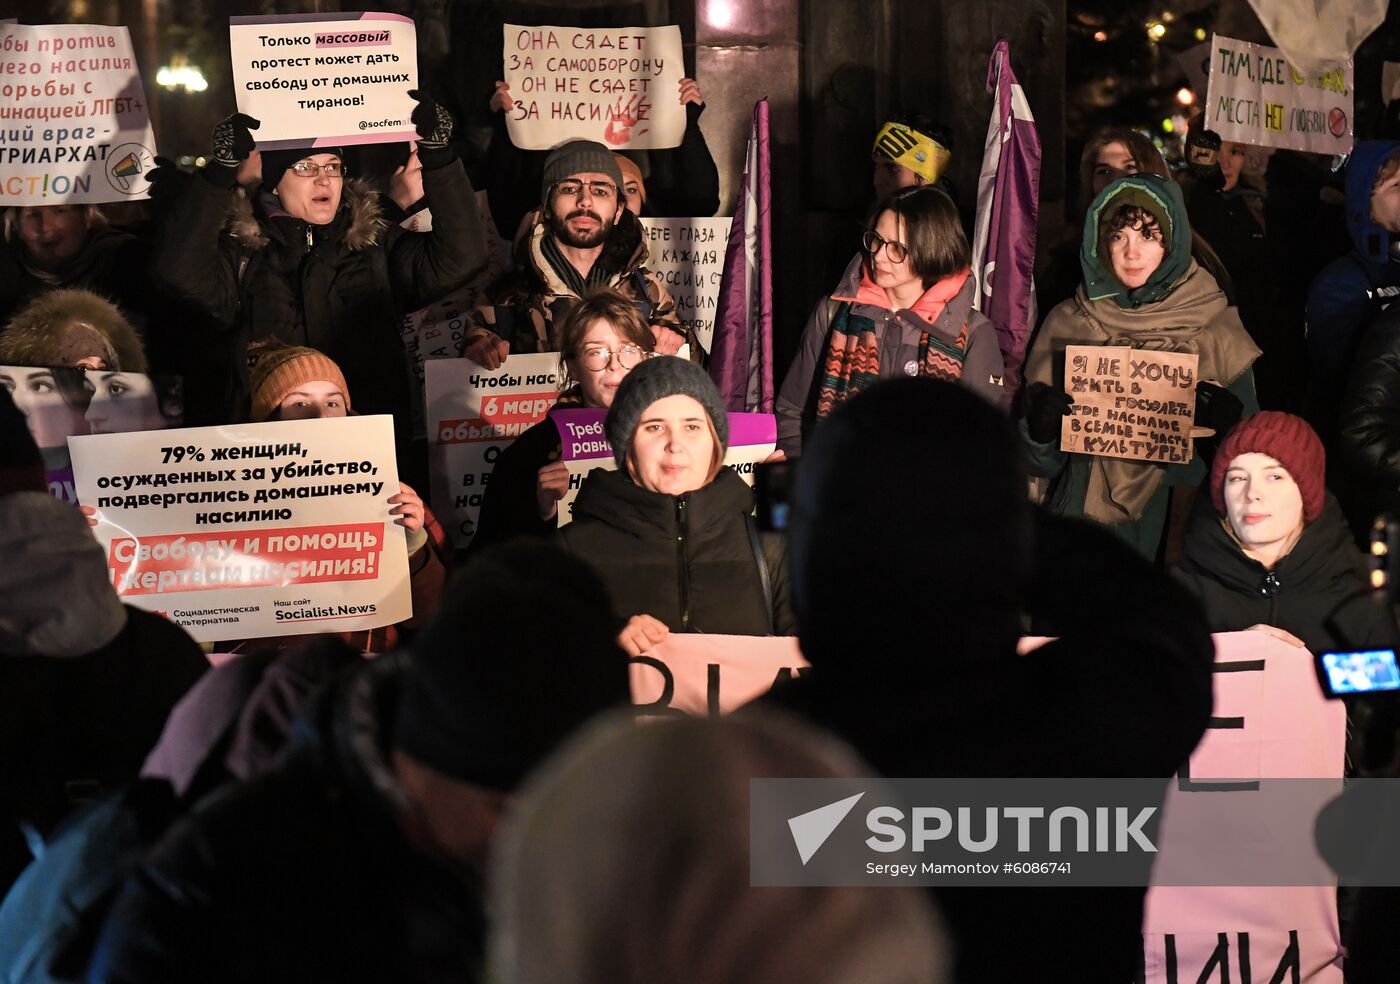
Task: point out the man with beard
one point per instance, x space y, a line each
581 237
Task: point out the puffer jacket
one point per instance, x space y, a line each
1317 592
303 873
898 334
526 306
686 560
1368 425
340 288
1350 291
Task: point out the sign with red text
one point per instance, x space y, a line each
325 80
252 530
473 415
752 438
1130 403
1255 97
688 256
710 675
73 114
1271 722
617 85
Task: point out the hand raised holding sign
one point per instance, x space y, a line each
641 633
551 486
232 140
1045 408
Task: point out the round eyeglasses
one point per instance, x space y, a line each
874 242
596 358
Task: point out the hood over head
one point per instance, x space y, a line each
1154 194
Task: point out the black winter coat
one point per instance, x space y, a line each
686 560
1368 438
302 874
1124 691
340 288
1322 576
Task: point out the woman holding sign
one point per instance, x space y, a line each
1142 290
672 531
602 339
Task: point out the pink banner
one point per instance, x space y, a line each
1270 722
712 674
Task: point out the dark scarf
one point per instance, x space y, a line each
599 276
853 358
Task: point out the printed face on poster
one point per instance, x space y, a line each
59 403
75 119
252 530
688 256
752 438
473 415
1130 403
1255 97
322 80
617 85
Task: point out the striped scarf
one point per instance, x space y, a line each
853 358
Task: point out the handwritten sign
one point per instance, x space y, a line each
688 256
752 438
617 85
473 415
73 112
1255 97
323 80
1130 403
252 530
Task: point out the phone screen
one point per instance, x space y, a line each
1363 672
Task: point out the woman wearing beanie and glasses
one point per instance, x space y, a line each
1141 289
601 340
1270 551
671 531
903 308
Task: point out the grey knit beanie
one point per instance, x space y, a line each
655 379
578 157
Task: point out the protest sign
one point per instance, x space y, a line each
73 116
617 85
688 256
59 403
325 80
439 330
1255 97
1130 403
1271 722
473 415
752 438
252 530
711 675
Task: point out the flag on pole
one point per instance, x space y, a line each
741 356
1008 202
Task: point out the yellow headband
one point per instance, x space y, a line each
923 155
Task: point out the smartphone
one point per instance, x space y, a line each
772 485
1367 671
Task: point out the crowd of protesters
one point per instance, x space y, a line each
463 796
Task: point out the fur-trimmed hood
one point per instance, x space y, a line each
361 217
624 252
60 327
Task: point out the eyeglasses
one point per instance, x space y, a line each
596 358
309 169
874 242
601 190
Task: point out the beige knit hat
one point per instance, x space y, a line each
277 369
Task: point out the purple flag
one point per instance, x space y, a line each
1008 202
741 356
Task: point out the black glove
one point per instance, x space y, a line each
232 140
1045 408
1217 408
432 121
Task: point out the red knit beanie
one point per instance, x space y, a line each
1287 439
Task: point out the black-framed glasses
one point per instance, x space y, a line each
604 191
874 242
309 169
596 358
